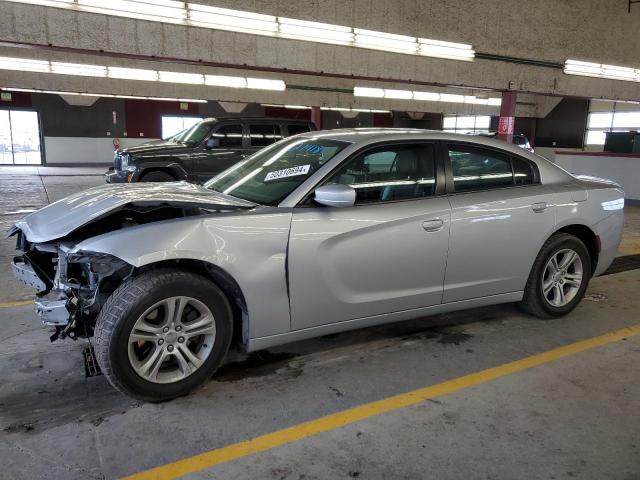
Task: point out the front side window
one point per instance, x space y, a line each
194 135
227 136
263 135
397 172
271 174
477 168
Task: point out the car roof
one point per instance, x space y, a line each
366 136
255 119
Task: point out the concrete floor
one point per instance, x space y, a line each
572 418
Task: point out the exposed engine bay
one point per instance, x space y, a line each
72 287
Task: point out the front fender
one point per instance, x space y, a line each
175 167
249 246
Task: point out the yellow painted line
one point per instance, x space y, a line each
307 429
18 303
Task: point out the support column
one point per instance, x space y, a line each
507 116
316 117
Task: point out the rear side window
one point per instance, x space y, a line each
522 172
263 135
391 173
295 129
228 136
477 168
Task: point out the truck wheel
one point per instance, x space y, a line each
162 334
157 176
559 277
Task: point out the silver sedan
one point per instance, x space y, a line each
316 234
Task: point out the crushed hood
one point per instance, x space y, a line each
64 216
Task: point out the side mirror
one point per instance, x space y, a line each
335 196
212 143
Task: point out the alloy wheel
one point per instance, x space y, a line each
562 277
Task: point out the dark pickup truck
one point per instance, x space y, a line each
202 151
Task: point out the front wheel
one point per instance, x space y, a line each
162 334
559 277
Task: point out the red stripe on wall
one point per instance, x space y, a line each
144 117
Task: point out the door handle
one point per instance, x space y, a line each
540 207
433 225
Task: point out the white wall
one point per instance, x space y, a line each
623 170
83 150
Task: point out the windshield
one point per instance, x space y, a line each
271 174
194 135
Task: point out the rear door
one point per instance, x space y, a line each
500 217
296 128
263 134
385 254
223 148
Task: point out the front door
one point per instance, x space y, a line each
385 254
500 217
221 150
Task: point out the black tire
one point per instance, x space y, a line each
157 176
129 302
534 301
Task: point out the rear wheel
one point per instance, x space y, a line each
559 277
157 176
162 334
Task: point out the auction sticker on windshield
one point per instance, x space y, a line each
287 172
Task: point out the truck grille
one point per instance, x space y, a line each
117 161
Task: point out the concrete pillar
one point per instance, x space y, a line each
507 116
316 117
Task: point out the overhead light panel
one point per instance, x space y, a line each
423 96
225 81
132 74
206 16
234 20
160 10
105 95
385 41
24 64
599 70
265 84
315 31
81 69
181 77
440 49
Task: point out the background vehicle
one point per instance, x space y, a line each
519 139
202 151
316 234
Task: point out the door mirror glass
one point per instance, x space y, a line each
212 143
335 196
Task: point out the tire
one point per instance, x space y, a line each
157 176
552 303
120 355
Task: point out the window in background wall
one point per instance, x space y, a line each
466 123
19 138
610 117
173 125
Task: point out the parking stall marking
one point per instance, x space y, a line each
333 421
18 303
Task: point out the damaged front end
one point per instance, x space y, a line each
71 288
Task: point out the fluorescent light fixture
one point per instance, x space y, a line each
225 81
172 11
297 107
24 64
398 94
385 41
359 110
132 74
440 49
265 84
234 20
599 70
314 31
426 96
79 69
423 96
181 77
160 10
452 98
368 92
106 95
